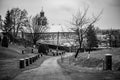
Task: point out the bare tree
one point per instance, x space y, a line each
35 29
19 18
80 22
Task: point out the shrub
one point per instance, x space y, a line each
5 41
43 49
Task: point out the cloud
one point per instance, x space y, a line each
61 4
115 3
61 11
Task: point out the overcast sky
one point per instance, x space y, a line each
61 11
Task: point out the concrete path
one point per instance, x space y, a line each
49 70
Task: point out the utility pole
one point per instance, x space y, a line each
57 41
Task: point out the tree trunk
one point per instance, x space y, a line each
77 52
17 30
80 42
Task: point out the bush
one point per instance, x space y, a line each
43 49
5 41
59 47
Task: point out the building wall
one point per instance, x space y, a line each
69 37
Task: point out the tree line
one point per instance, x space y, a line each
17 20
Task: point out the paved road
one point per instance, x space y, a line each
49 70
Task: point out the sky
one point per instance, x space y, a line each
61 11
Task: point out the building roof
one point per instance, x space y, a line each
58 28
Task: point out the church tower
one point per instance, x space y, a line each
42 13
42 20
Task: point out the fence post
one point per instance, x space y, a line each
38 56
32 51
27 61
22 51
30 59
21 63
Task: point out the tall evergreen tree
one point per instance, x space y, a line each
7 22
8 25
91 38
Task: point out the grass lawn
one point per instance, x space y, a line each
9 61
10 68
15 51
92 68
